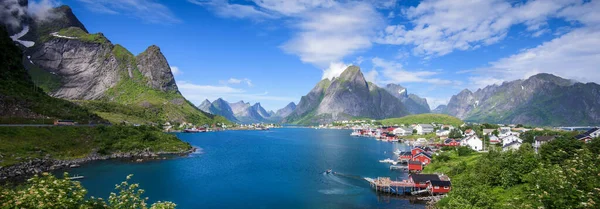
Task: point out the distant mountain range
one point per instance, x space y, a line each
542 99
351 96
67 62
243 112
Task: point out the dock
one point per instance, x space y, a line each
386 185
398 167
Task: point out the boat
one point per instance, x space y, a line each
388 160
74 166
397 152
193 130
328 171
355 133
75 177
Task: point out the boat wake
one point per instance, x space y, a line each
340 184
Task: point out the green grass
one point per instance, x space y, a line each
83 36
424 119
17 144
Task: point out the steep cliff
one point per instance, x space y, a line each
345 97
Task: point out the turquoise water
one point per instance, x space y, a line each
280 168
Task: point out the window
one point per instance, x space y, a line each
446 187
436 187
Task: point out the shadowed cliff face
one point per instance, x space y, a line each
346 97
542 99
414 104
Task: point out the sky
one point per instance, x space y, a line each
275 51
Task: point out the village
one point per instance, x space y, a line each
428 140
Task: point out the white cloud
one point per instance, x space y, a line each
146 10
335 69
440 27
435 102
394 72
328 35
293 7
575 55
176 71
238 81
42 10
224 9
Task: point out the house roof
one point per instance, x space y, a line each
405 153
423 153
412 162
487 131
424 177
511 143
440 183
426 125
447 141
587 133
544 138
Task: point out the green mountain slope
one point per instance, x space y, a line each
424 119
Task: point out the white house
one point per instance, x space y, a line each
540 140
504 132
424 128
509 139
403 131
494 140
469 132
472 141
442 133
589 135
514 145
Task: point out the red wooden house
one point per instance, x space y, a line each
439 187
422 157
390 129
422 180
416 151
415 166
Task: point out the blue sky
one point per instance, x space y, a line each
274 52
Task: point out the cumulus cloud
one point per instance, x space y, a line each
334 70
394 72
12 13
328 35
42 10
575 55
146 10
175 70
238 81
440 27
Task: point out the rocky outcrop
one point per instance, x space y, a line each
86 69
154 66
287 110
218 107
542 99
413 103
440 109
345 97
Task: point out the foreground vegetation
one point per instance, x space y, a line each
19 144
564 174
47 191
424 118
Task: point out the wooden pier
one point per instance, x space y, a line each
386 185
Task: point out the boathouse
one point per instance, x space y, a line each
405 156
451 143
422 180
439 187
415 166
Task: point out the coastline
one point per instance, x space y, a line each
29 168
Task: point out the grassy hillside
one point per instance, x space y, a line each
18 144
424 118
23 102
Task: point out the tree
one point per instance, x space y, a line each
414 131
455 133
495 132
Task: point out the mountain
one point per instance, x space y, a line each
414 104
287 110
542 99
69 63
440 109
21 101
240 112
345 97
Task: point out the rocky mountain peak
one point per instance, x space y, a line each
154 66
547 77
351 73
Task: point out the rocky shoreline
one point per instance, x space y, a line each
27 169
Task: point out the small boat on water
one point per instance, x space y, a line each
397 152
74 166
355 133
75 177
328 171
193 130
388 160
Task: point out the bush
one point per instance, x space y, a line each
47 191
